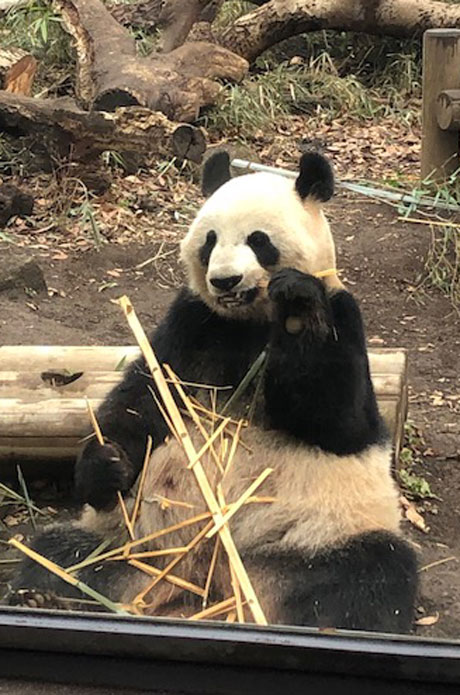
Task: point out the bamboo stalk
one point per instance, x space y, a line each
431 223
212 567
126 518
140 541
171 578
217 609
191 411
233 578
166 418
153 553
237 593
137 502
162 575
66 577
198 470
208 443
94 422
245 381
241 500
231 455
166 502
326 273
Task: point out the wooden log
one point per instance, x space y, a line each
43 411
111 74
33 386
92 358
441 72
448 110
78 358
68 129
17 70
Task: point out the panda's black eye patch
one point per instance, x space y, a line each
266 253
206 250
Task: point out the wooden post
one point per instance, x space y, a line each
441 71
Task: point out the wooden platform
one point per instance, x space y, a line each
42 419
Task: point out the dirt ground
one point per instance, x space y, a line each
382 260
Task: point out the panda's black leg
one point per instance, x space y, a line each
368 584
317 383
67 545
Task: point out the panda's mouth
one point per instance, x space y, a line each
236 299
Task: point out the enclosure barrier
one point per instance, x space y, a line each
441 103
43 391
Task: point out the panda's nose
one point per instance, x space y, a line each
226 284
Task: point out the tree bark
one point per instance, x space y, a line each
110 74
17 70
277 20
68 129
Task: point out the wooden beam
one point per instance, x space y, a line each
441 71
43 411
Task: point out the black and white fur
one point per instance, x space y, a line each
328 552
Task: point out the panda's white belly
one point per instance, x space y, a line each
320 498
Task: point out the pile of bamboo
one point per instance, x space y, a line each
222 443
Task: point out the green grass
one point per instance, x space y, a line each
443 263
315 88
415 486
442 266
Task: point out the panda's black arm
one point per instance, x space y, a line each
188 339
129 413
317 383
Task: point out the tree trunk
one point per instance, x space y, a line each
17 70
277 20
110 74
68 129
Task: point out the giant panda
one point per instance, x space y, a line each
327 551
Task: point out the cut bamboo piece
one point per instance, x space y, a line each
235 506
171 578
66 577
217 609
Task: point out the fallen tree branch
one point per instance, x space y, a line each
69 129
277 20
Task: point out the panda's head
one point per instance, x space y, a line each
253 225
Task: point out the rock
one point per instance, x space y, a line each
13 202
23 275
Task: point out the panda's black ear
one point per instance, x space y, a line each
315 179
216 172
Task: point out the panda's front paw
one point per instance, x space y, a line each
289 285
301 302
101 471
